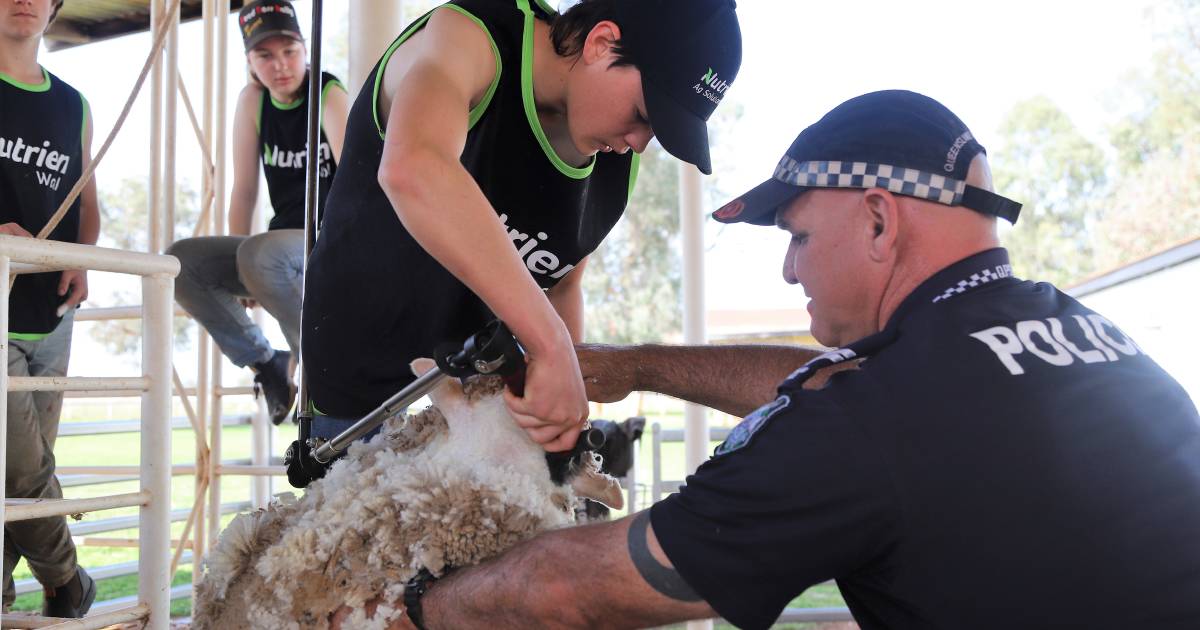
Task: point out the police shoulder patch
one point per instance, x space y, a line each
741 434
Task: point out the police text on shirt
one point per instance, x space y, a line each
1046 339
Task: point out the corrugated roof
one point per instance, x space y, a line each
86 21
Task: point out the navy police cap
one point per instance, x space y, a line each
904 142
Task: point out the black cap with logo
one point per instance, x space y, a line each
264 19
901 141
689 52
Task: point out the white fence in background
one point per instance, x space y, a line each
24 255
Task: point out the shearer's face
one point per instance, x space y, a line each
827 256
605 107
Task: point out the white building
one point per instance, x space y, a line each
1155 300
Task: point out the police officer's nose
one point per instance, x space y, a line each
789 265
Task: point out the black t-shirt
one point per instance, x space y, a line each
41 158
1004 458
374 299
283 149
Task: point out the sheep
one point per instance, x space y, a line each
450 486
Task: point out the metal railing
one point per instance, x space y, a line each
24 255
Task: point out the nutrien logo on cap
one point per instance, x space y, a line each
711 86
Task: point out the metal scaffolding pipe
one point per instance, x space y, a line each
4 348
26 509
203 343
109 313
76 383
373 26
154 524
154 189
91 622
691 226
252 471
61 255
219 201
170 120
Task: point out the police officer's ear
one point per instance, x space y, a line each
882 219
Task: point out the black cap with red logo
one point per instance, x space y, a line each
264 19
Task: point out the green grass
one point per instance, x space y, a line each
123 449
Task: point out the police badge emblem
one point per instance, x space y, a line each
741 434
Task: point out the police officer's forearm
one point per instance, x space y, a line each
732 379
576 577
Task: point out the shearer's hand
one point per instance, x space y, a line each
554 408
609 372
339 619
15 229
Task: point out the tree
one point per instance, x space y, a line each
1058 174
124 225
632 281
1156 196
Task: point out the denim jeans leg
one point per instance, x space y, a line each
208 287
271 267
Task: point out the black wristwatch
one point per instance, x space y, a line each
413 591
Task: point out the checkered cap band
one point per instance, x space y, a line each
897 179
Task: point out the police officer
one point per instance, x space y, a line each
45 145
1000 456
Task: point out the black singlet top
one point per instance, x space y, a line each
41 158
283 148
374 299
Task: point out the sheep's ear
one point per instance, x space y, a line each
446 393
590 483
633 427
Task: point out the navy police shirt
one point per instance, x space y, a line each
1003 458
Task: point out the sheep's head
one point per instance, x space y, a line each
475 410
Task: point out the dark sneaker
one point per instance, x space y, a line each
274 379
71 600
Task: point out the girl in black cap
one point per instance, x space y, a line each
221 276
491 150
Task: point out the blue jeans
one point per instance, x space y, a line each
45 543
328 427
217 270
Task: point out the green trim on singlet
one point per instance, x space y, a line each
83 123
546 7
325 90
286 106
28 336
29 87
635 164
387 55
477 111
262 100
531 110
